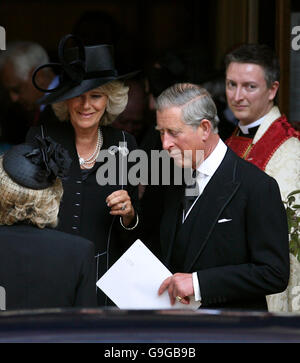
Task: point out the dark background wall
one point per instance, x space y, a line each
143 29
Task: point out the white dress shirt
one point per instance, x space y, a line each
206 171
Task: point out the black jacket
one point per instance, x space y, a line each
45 268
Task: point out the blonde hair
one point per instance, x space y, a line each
117 94
21 204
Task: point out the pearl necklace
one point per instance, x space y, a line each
89 162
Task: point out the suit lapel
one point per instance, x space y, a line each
207 210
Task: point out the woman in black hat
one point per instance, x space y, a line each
39 266
89 97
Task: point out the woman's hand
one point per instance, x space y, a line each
120 205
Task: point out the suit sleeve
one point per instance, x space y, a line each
267 269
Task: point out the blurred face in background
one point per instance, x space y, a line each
20 90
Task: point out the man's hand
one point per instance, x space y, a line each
180 285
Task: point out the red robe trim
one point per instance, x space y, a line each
261 152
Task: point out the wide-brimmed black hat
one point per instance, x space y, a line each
80 69
36 166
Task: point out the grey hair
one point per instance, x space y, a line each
195 102
21 204
24 56
117 94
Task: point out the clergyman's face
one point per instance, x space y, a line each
180 140
248 95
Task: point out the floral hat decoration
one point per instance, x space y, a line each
37 166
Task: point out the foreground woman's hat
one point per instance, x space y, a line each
37 166
81 69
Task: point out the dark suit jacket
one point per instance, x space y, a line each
45 268
240 261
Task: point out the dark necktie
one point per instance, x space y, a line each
191 193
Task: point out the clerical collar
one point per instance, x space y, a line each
246 128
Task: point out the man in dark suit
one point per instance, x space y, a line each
228 244
39 266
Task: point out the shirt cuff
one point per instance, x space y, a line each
196 287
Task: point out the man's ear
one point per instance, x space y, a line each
273 90
205 127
